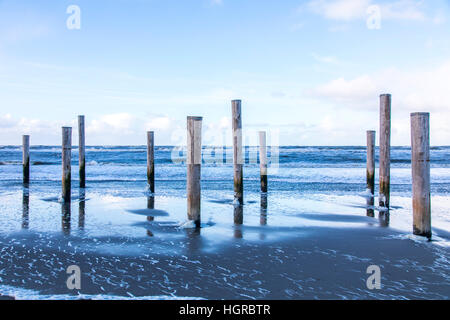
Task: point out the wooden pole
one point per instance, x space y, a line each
26 158
420 164
385 150
371 162
237 151
370 171
194 160
150 161
263 160
66 163
81 151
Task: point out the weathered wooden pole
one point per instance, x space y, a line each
263 160
81 151
194 160
370 171
151 161
237 151
26 158
385 150
420 164
66 163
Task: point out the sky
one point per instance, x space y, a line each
308 72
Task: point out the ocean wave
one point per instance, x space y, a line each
10 163
286 156
43 163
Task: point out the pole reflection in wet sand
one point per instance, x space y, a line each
65 217
25 206
194 240
238 221
150 205
81 209
383 217
370 203
263 210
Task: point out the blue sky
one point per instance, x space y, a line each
309 72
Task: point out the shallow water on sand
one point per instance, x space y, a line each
305 247
309 237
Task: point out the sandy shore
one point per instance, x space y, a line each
313 263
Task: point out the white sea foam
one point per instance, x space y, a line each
26 294
189 224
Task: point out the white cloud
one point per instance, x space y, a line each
325 59
439 18
6 121
339 9
357 89
158 123
225 123
403 10
348 10
423 89
109 129
116 122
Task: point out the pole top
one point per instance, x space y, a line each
236 101
370 131
194 118
385 95
420 114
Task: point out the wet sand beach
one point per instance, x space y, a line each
312 236
270 255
